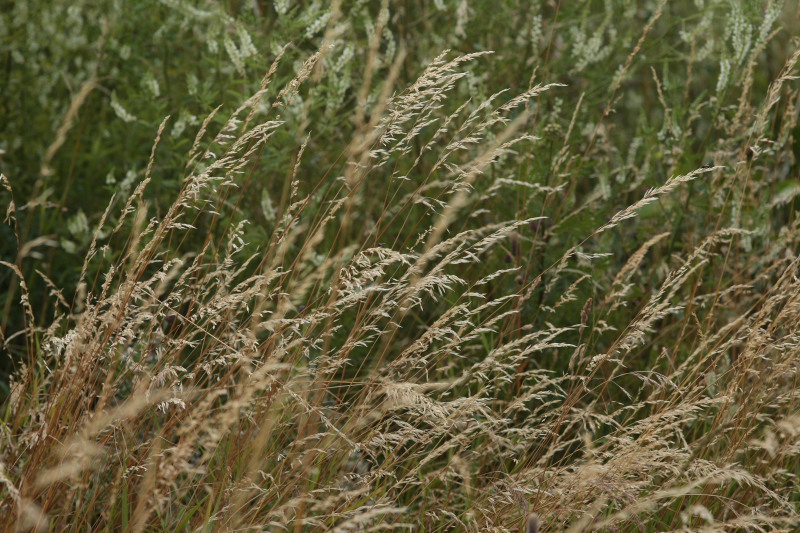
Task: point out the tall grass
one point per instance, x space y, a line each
446 329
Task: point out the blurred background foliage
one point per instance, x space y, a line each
652 89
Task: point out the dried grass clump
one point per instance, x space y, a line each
391 373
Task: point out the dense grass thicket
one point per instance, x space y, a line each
481 266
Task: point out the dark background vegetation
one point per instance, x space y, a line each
51 49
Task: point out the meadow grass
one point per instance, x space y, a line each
543 308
